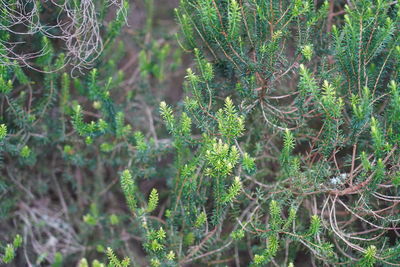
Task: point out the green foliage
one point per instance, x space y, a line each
201 219
9 254
307 52
233 190
10 249
25 151
167 115
284 143
17 242
170 256
238 234
234 18
153 200
3 131
229 123
83 263
221 159
248 163
315 225
275 212
129 189
114 261
369 257
58 260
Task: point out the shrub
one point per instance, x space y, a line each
284 148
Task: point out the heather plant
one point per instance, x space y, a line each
315 83
283 150
66 125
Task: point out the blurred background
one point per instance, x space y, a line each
63 197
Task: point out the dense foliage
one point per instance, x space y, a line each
282 152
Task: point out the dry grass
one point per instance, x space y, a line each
76 26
